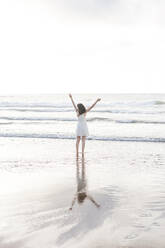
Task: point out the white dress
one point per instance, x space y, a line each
82 128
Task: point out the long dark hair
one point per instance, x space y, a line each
81 108
81 197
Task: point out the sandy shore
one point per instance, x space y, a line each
38 183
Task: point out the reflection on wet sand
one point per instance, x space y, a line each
132 199
82 192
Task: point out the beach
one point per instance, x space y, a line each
124 169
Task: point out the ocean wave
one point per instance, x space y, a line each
6 123
127 121
34 109
70 109
159 102
68 137
42 120
146 103
34 105
36 118
67 104
140 121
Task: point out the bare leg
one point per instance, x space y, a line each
77 145
83 144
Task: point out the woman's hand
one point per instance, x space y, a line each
70 95
98 99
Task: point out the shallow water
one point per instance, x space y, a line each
38 183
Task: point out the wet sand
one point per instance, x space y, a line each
39 181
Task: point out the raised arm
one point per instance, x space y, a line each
88 109
73 202
92 200
73 102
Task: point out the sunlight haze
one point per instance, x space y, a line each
90 46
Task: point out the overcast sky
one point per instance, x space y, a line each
80 46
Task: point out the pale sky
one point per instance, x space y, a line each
89 46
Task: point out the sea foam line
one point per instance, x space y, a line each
65 105
42 119
101 138
70 109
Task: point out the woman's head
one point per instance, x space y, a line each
81 197
81 108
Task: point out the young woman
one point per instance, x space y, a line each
82 193
82 128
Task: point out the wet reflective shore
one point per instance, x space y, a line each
116 193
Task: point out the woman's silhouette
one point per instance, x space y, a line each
82 193
82 128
